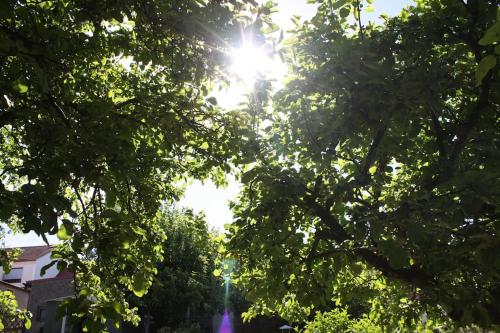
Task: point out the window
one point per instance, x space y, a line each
14 275
41 314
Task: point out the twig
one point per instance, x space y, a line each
361 30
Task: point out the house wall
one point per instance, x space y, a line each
42 261
22 296
43 291
31 269
28 271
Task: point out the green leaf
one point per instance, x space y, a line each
20 88
248 176
344 11
217 272
139 284
491 36
485 65
372 170
212 100
118 307
416 232
398 256
62 233
369 9
337 4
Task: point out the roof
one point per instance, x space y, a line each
63 275
32 253
11 286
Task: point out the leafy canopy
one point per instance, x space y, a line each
185 289
103 111
10 316
377 181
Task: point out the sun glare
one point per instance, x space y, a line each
250 62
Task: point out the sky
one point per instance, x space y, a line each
206 197
209 198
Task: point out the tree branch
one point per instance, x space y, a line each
463 133
413 275
372 153
361 30
339 234
438 131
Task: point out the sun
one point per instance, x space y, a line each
250 62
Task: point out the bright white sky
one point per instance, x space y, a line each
207 197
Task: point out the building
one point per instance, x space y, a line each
21 294
44 297
27 267
39 294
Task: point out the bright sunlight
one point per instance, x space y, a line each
251 62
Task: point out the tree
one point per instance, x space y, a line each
378 177
185 291
104 109
337 321
10 315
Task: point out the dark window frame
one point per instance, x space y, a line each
41 313
16 280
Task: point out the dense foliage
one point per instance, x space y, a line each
375 186
185 291
7 256
10 315
338 321
103 111
371 184
192 289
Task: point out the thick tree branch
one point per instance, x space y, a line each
413 275
339 234
372 153
16 36
75 185
462 136
312 253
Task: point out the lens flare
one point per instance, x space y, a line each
226 324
